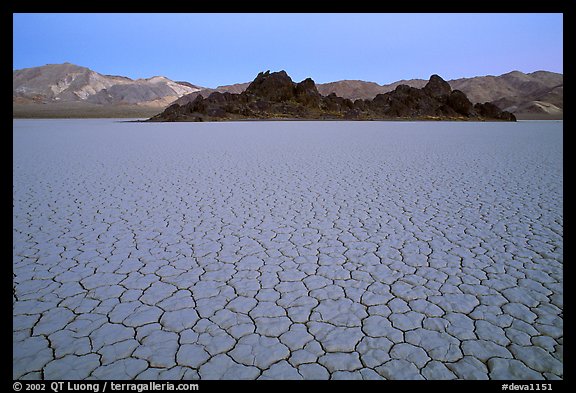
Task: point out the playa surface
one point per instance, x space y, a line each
287 250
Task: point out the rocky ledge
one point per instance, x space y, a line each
275 96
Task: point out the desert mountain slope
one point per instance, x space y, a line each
351 89
67 83
512 84
60 82
236 88
357 89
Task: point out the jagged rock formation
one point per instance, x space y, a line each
276 96
534 95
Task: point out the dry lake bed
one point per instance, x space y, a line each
287 250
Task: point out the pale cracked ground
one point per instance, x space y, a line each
296 250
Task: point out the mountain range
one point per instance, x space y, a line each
69 82
62 90
68 90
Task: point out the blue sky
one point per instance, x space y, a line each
218 49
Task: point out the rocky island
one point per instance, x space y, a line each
275 96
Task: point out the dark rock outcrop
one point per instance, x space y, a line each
460 103
437 87
307 94
491 111
275 87
275 96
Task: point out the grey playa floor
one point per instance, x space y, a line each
287 250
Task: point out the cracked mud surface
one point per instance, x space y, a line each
295 250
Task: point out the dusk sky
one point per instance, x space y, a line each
218 49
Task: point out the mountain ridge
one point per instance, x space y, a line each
68 82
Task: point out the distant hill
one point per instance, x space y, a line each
276 96
67 86
537 94
234 89
357 89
